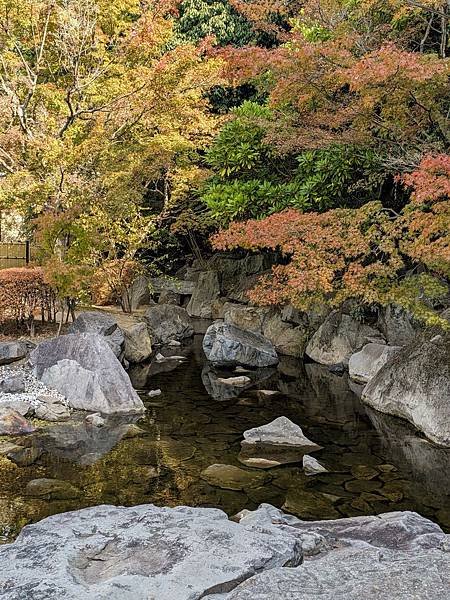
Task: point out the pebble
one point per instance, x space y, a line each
33 388
153 393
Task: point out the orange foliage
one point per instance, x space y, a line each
23 292
362 254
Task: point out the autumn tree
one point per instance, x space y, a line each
371 254
101 123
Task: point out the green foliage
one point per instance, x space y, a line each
328 178
239 149
200 18
251 199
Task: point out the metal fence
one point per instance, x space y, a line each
14 254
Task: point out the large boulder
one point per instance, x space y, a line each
12 351
138 344
84 369
338 338
227 345
415 385
397 555
139 553
102 324
206 292
366 363
288 339
248 318
397 325
138 294
167 322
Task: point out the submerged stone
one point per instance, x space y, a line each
230 477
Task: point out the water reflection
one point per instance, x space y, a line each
376 463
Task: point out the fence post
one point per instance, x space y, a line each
27 252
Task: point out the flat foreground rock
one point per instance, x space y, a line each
138 553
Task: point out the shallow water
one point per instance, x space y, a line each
376 463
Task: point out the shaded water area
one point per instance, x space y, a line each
376 463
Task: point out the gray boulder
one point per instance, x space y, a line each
281 431
102 324
13 383
312 466
167 323
138 294
397 555
287 339
138 344
277 443
84 369
415 385
172 284
227 345
397 325
207 290
139 553
338 338
366 363
12 351
248 318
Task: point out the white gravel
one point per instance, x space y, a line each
33 388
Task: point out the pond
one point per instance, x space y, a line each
376 463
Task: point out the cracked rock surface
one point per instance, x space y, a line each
152 553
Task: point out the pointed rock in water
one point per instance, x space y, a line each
282 432
312 466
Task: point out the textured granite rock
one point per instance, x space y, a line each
84 369
415 385
102 324
366 363
138 553
226 345
338 338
